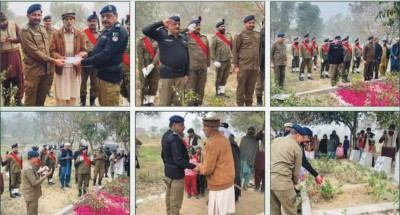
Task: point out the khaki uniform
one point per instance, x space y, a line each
357 53
15 171
84 171
148 85
286 158
368 56
315 53
198 63
31 189
348 55
100 162
296 59
324 57
246 56
222 53
38 64
51 163
279 59
175 189
306 58
89 72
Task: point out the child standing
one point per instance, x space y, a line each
191 177
340 151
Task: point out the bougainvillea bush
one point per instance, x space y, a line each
361 93
112 200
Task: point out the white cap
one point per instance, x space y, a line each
288 124
67 144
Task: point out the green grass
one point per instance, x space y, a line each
151 165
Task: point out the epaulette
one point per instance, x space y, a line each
25 27
118 25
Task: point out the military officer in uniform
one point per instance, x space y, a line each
47 24
91 35
278 59
369 59
221 56
176 160
50 161
11 60
31 183
38 63
347 59
174 59
107 57
126 82
43 154
100 158
336 56
357 51
107 161
84 163
14 165
306 53
315 50
324 59
246 61
261 76
295 55
286 158
199 61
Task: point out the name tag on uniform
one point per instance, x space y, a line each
168 40
35 34
246 38
104 37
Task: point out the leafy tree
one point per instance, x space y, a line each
386 118
59 8
390 13
308 19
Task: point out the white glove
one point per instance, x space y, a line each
146 71
80 158
322 60
355 58
192 26
8 174
312 58
292 57
217 64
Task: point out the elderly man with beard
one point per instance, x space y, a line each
246 61
107 57
37 60
68 42
219 169
248 151
391 142
199 61
11 60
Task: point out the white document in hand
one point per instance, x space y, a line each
72 59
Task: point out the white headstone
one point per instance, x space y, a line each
355 156
366 159
396 168
383 164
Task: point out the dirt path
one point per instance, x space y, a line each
250 203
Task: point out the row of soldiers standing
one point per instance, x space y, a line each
169 59
106 51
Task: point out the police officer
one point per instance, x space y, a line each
43 154
335 58
91 35
50 161
306 54
84 163
107 161
14 165
174 59
31 183
221 56
347 59
369 59
315 52
261 76
99 158
75 156
47 24
35 47
357 50
295 55
126 82
199 60
246 61
107 57
378 56
278 59
176 160
324 59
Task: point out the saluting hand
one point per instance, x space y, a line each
168 22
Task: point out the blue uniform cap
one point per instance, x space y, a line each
337 37
15 145
281 34
299 129
220 23
248 18
109 9
357 40
176 119
195 21
308 131
92 16
34 8
175 18
33 154
47 17
370 37
306 35
35 148
326 40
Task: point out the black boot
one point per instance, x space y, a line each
259 101
12 195
94 182
83 101
99 182
7 101
18 102
79 193
92 99
84 191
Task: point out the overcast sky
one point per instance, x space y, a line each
330 9
20 8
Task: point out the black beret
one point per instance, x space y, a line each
92 16
15 145
326 40
35 148
176 119
248 18
308 131
34 8
392 126
370 37
281 34
306 35
345 39
356 41
190 130
195 21
47 17
313 38
299 129
220 23
109 9
44 145
128 19
33 154
175 18
330 40
85 148
337 37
